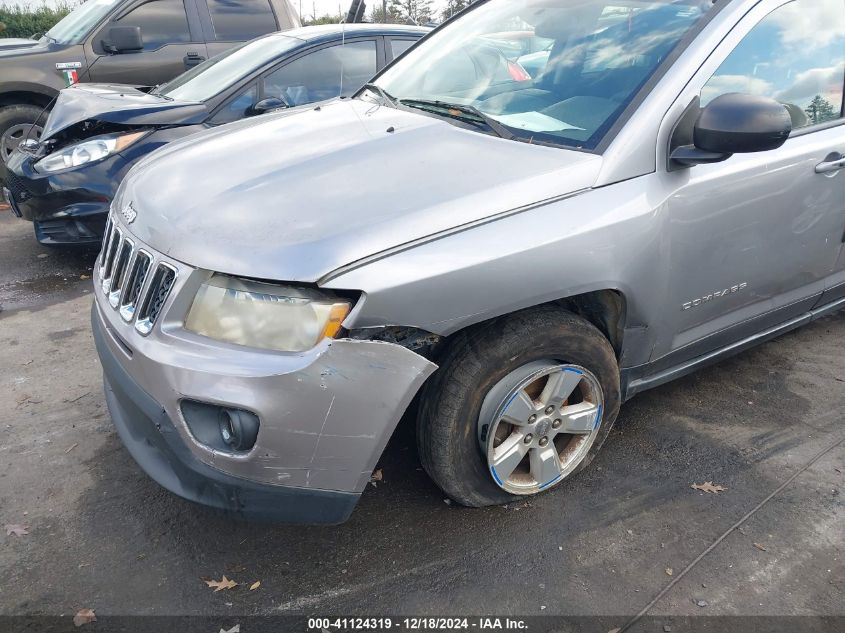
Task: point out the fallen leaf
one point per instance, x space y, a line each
84 616
760 547
219 585
17 529
669 571
234 629
377 475
84 277
255 585
708 486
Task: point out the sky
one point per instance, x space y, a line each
308 6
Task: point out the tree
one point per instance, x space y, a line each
454 6
820 110
415 11
393 16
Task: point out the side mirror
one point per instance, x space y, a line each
124 39
265 105
733 124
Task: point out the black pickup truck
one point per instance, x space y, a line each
140 42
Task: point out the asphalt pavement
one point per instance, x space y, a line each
627 536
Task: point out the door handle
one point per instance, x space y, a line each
193 59
834 162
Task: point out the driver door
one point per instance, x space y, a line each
173 42
754 239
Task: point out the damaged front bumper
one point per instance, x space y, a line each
68 207
325 416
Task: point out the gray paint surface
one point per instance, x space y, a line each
332 185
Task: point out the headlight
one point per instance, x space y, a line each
87 152
267 316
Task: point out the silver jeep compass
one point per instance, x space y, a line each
540 210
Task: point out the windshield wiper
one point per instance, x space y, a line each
462 112
381 92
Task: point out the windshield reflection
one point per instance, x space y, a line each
553 71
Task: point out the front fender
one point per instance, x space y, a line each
601 239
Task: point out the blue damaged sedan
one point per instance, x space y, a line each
65 182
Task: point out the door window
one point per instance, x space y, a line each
241 20
161 21
339 70
237 107
795 55
400 46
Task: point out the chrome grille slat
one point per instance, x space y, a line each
111 255
121 265
106 237
154 297
135 282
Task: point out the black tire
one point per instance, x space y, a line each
479 358
14 115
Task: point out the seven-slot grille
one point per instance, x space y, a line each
134 284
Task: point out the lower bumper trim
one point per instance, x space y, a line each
154 443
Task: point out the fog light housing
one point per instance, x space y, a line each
221 428
238 429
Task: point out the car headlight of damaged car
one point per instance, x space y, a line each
264 315
87 152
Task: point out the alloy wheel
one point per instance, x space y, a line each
15 135
538 423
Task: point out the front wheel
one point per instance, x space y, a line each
518 406
17 124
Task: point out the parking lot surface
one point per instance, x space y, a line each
101 535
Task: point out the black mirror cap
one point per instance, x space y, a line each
265 105
124 39
738 123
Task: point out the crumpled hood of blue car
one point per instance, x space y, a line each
296 195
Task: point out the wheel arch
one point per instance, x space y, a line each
26 95
606 309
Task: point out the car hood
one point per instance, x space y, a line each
295 196
9 43
124 105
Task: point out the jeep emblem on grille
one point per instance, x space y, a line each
129 213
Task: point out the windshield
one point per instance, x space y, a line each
218 73
553 71
75 26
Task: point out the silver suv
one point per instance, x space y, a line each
514 248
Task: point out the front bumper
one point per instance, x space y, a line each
151 438
325 414
68 207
